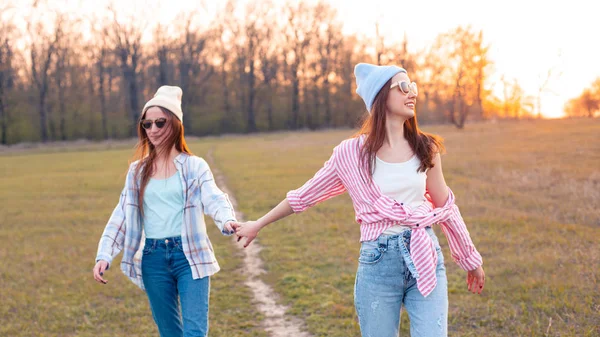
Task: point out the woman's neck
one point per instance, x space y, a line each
394 132
168 156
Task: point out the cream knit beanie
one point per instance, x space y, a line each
168 97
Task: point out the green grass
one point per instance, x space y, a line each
527 191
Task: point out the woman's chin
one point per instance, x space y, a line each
405 113
156 142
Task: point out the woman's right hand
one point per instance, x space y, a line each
99 269
249 230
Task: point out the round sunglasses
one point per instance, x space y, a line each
405 87
147 123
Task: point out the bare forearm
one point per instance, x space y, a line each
279 212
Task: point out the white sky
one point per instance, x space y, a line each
527 37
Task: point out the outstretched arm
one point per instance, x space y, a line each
324 185
250 229
461 245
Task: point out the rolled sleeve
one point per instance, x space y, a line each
325 184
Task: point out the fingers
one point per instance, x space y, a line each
248 240
472 283
99 269
475 283
469 281
480 285
228 228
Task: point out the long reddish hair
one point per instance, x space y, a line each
423 144
147 153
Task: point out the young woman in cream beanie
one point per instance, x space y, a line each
159 221
393 174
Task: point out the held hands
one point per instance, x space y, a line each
476 280
248 230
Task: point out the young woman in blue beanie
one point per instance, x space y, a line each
393 173
159 221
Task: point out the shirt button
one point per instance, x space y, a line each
417 225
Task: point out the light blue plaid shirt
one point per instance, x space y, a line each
125 232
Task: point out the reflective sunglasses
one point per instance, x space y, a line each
147 123
405 87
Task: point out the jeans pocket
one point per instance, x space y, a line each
370 256
148 249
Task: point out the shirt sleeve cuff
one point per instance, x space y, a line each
104 257
296 203
471 262
223 230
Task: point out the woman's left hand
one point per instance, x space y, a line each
229 227
476 280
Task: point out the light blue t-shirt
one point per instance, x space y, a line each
163 207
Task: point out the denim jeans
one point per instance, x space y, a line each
385 283
168 281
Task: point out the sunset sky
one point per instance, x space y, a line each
527 37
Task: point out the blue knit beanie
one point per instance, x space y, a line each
371 78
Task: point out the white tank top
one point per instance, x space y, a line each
403 183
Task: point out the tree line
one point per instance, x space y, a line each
251 67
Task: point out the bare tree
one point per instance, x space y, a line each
590 102
544 83
63 50
299 32
255 30
344 70
329 39
464 61
42 50
379 45
194 68
102 59
516 104
162 44
127 39
7 72
224 37
481 64
270 63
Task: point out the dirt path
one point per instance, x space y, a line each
276 323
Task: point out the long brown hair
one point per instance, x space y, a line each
147 153
424 145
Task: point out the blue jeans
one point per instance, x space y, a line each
168 281
385 282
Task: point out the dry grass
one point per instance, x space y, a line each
54 208
528 192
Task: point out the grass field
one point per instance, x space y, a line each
528 192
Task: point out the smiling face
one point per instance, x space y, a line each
399 103
155 134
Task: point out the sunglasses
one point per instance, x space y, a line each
147 123
405 87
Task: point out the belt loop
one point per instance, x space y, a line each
382 243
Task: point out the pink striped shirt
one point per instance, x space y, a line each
376 212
